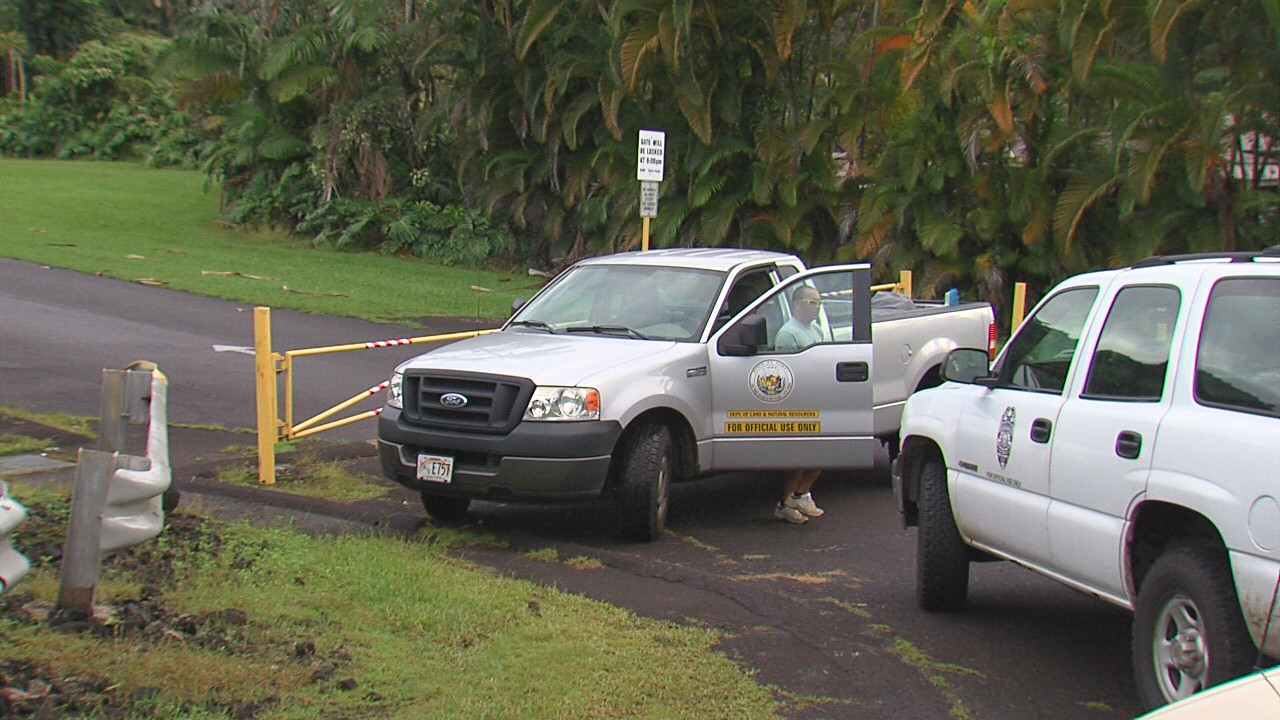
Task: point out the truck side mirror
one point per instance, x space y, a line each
966 365
744 338
517 304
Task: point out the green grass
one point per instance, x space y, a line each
70 423
160 227
309 476
421 634
17 444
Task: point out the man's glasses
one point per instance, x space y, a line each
812 302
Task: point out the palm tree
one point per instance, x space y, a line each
13 46
1168 128
959 194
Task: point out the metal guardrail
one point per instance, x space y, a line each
13 564
117 501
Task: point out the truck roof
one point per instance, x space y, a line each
719 259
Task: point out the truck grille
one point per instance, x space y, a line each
480 403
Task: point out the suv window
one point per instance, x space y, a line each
1041 352
1132 356
1238 365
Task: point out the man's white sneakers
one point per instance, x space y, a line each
803 504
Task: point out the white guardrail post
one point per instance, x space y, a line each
13 564
118 499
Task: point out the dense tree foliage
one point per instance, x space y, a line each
976 143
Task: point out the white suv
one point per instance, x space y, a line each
1126 442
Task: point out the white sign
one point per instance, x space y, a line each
650 158
648 199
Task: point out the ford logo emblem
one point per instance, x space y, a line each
453 400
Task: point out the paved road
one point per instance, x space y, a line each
59 329
823 610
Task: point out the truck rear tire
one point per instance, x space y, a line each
942 558
445 508
644 482
1188 632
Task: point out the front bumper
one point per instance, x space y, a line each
535 462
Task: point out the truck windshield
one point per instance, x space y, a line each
637 301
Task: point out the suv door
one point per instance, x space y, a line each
1102 448
805 408
1001 491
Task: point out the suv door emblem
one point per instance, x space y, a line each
453 400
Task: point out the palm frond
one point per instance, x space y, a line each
1074 201
537 17
718 218
941 238
642 39
1164 16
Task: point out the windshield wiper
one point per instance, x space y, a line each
608 330
532 323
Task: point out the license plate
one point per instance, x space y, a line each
435 468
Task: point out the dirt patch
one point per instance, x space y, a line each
41 692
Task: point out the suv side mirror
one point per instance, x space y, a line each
517 304
745 338
966 365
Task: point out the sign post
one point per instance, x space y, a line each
649 165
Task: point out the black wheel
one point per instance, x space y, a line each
942 558
644 482
1188 632
445 508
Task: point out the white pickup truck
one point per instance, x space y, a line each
628 372
1126 442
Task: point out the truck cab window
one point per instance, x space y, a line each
746 288
1132 356
1041 353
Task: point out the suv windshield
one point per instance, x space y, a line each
638 301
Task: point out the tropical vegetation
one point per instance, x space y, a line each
977 143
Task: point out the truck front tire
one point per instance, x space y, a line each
1188 633
644 482
942 558
445 508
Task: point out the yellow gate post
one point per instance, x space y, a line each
1019 305
904 283
265 371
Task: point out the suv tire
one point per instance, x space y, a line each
1188 633
942 558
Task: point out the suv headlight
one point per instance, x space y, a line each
395 390
563 403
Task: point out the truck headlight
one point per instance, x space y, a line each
395 390
563 403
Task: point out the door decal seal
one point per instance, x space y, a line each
771 381
1004 436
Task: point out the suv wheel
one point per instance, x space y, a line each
942 558
644 487
1188 633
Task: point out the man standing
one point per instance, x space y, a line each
798 333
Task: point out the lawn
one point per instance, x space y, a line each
216 620
161 227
